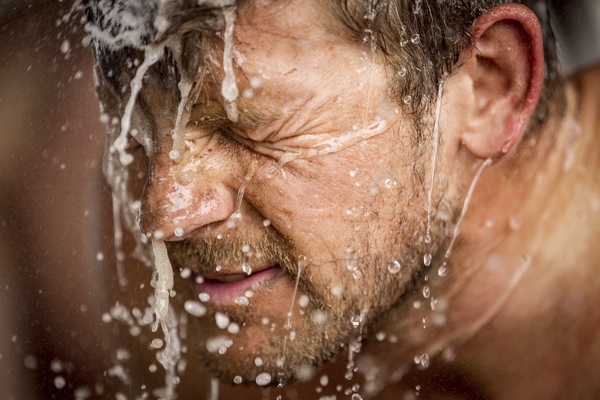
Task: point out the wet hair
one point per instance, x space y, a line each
420 40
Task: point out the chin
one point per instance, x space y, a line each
264 354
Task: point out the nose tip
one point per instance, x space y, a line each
171 210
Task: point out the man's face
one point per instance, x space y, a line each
344 218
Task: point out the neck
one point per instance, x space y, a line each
522 276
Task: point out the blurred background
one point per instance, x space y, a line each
58 338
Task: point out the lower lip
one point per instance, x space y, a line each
228 292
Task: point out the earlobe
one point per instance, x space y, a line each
507 73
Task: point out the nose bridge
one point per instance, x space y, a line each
182 196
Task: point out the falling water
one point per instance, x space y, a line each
483 166
436 140
118 229
288 324
229 88
151 55
214 388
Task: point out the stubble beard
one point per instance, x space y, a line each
367 298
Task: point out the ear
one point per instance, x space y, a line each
506 70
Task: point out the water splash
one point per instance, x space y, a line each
152 54
164 283
229 89
483 166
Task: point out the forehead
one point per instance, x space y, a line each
294 50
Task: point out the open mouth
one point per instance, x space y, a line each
227 288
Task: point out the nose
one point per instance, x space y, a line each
182 196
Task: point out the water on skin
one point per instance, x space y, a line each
436 140
229 88
230 94
288 324
483 166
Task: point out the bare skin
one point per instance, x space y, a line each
536 338
505 244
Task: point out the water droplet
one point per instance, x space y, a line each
245 248
324 380
355 387
427 259
292 335
178 231
407 99
356 396
303 301
157 343
199 280
218 268
442 270
417 304
263 379
246 268
242 301
351 264
428 239
434 303
425 361
426 292
222 320
100 256
356 320
173 154
403 42
258 361
204 297
248 293
357 274
415 39
390 183
237 380
402 71
233 328
336 290
234 219
185 273
59 382
256 82
394 267
194 308
65 47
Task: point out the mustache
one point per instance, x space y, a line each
203 255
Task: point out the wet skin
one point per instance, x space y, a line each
322 212
345 210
